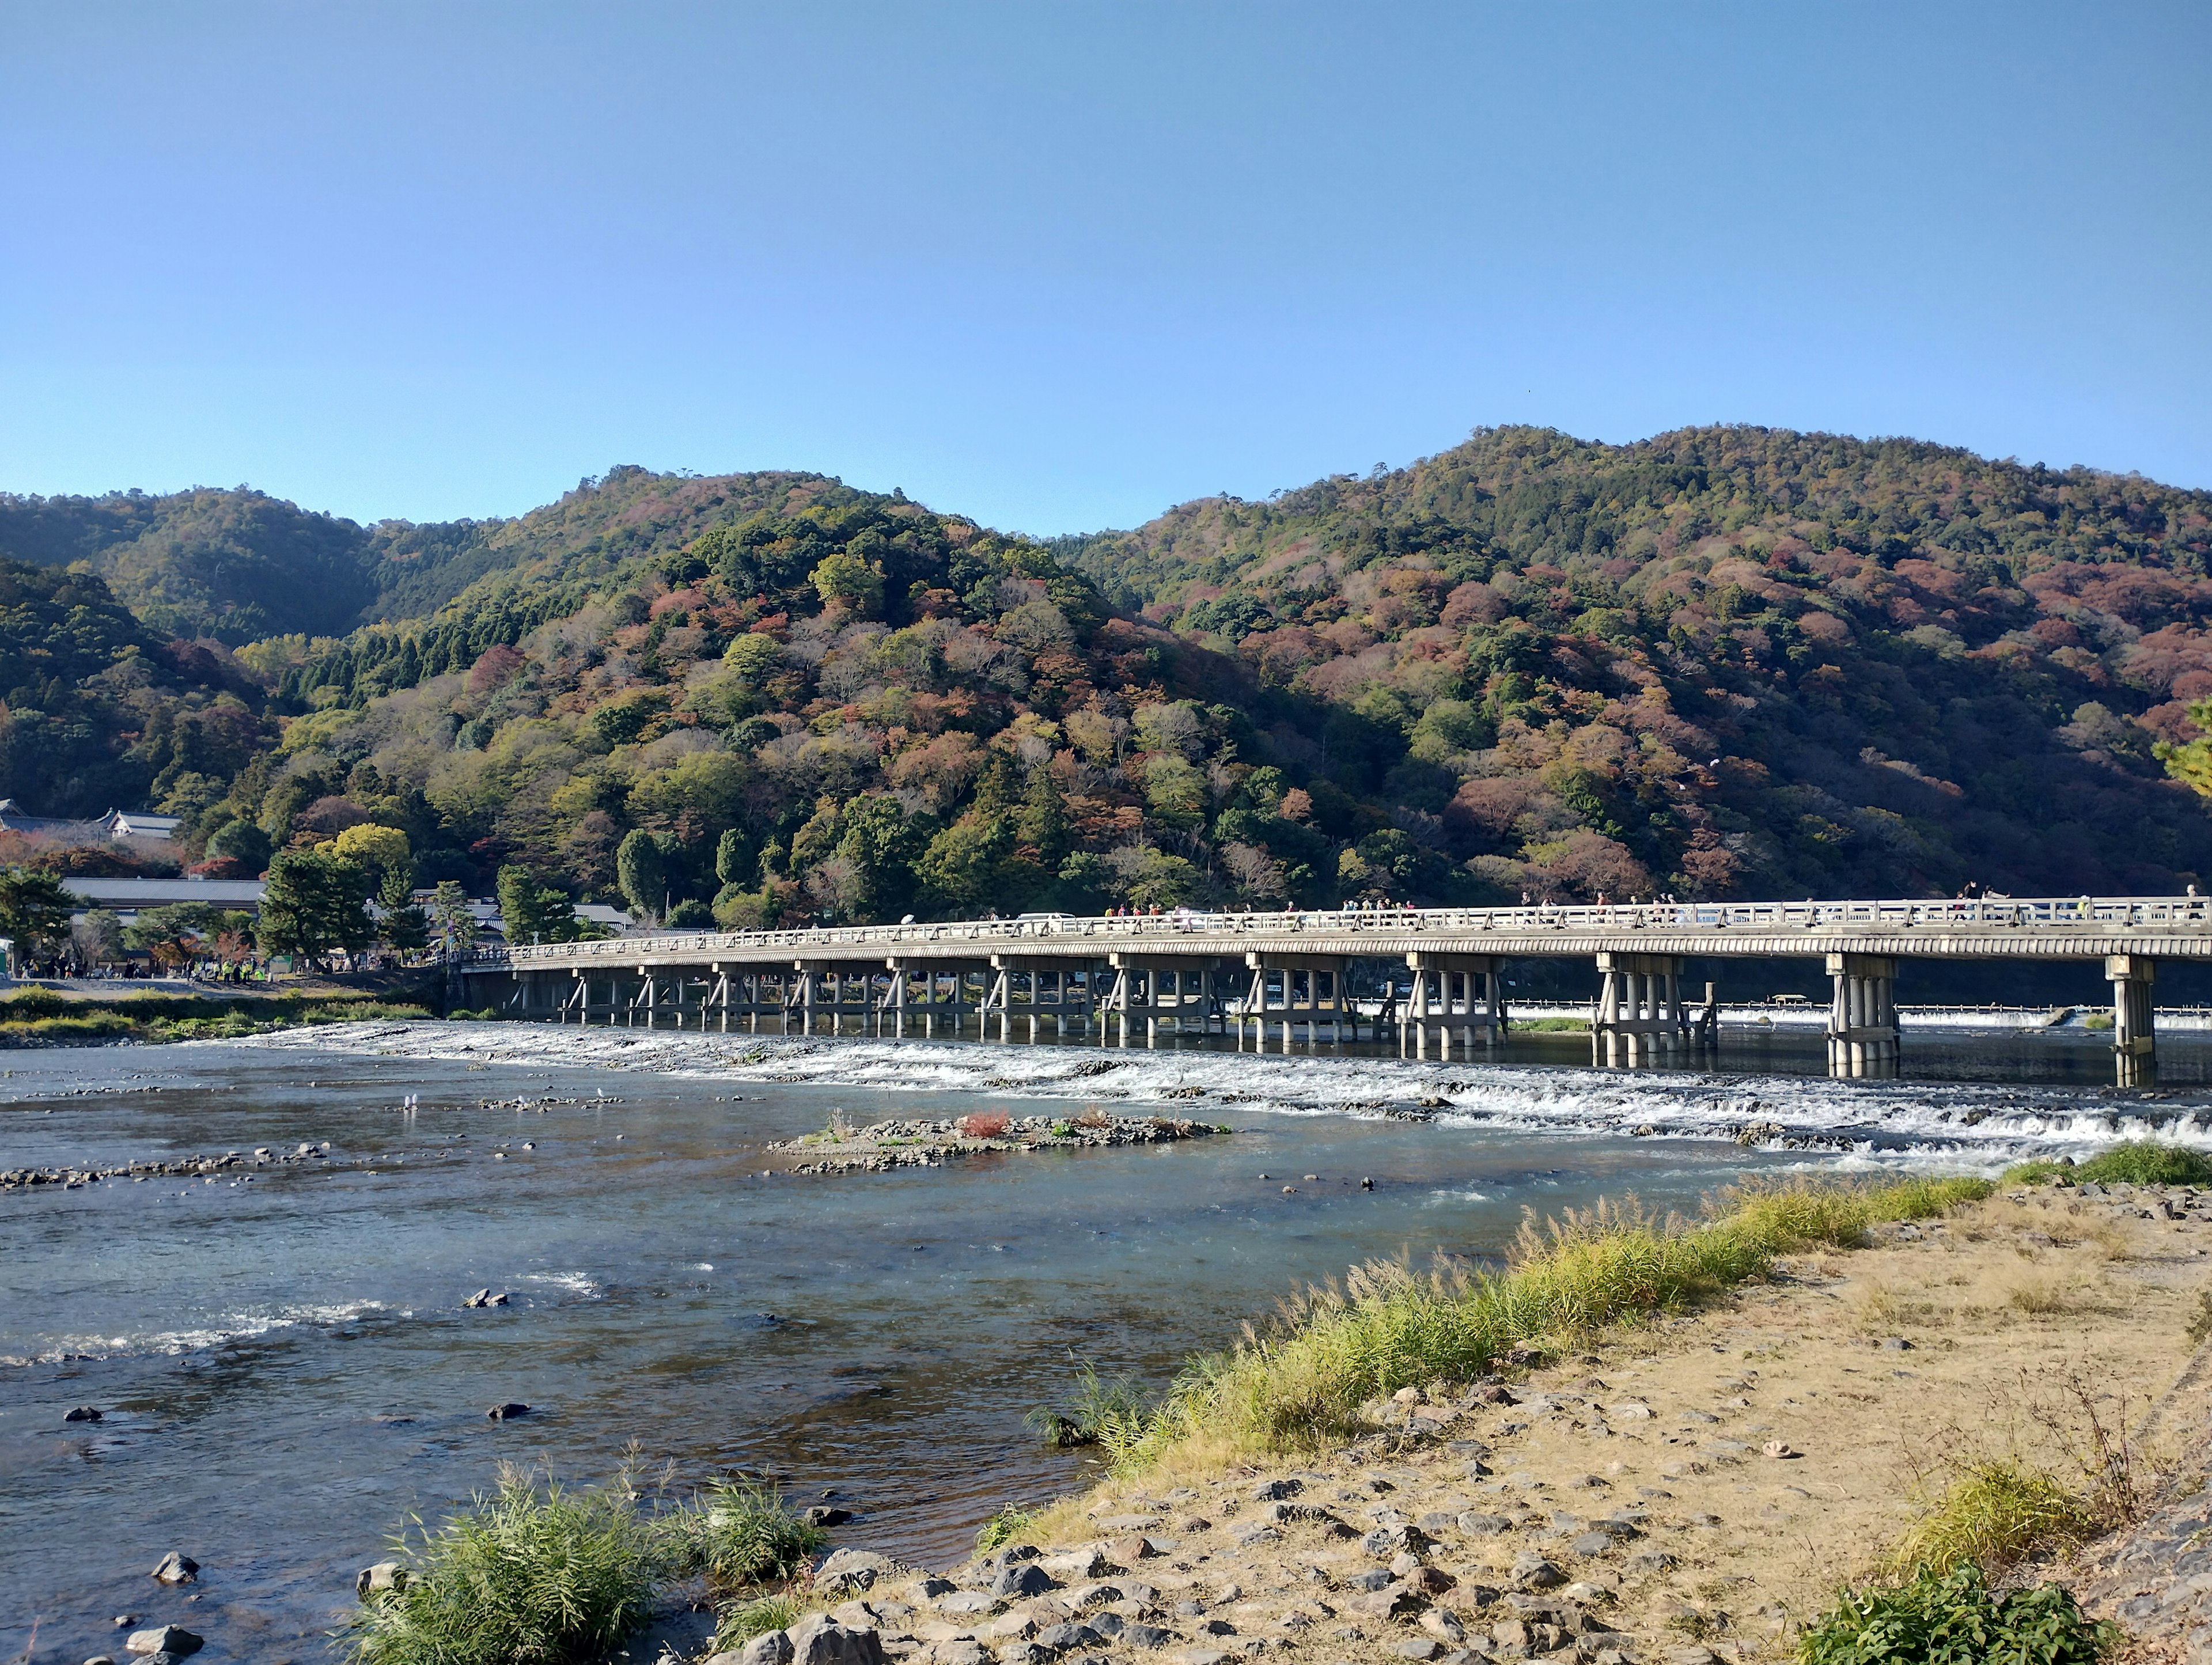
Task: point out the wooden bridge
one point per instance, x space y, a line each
1271 980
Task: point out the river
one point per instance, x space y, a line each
286 1372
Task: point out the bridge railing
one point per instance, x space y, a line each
1102 933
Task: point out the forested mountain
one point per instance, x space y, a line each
238 566
1761 661
1722 661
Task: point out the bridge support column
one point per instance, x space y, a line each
1324 1001
2134 1039
1639 1008
1862 1032
1467 998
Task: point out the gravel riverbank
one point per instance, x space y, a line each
1683 1492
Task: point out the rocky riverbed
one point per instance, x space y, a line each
842 1149
1681 1493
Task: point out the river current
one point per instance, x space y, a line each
286 1372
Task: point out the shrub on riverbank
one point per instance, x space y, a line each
1994 1515
41 1017
1953 1618
739 1534
524 1574
1387 1327
539 1573
2144 1162
1098 1406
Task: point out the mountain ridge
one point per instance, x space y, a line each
1723 660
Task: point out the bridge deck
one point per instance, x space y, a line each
2061 928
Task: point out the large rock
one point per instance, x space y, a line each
384 1577
1533 1571
173 1640
821 1640
1067 1639
852 1569
773 1648
177 1568
1023 1578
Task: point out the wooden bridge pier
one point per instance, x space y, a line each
1466 997
1862 1032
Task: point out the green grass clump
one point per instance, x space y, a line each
93 1026
528 1573
1954 1619
739 1533
740 1624
1098 1409
2142 1162
1003 1527
535 1575
1993 1515
1552 1025
1387 1327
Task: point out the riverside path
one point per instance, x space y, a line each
1280 978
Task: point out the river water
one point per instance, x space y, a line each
286 1372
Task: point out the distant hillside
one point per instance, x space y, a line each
101 713
238 565
1721 662
1762 661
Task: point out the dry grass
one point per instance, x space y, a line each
1387 1327
1884 1310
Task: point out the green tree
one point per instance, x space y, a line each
314 903
378 851
406 926
880 843
243 842
1175 790
453 921
35 910
530 912
844 576
1043 825
174 934
960 868
641 870
734 861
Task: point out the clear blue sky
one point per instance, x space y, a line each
1059 266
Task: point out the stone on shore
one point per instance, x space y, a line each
386 1577
852 1569
1025 1578
773 1648
821 1640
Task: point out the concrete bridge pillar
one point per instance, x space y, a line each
2135 1040
1639 1008
1863 1031
1452 994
